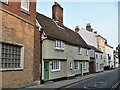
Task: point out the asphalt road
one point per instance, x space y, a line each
103 81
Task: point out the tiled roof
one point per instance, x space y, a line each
94 48
60 32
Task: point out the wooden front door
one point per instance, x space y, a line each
46 70
91 67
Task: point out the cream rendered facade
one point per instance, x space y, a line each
66 56
101 46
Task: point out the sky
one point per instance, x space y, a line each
101 14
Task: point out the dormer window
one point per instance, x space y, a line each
4 1
59 45
25 6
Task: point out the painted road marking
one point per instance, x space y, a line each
115 86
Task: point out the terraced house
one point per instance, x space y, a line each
109 56
17 43
96 63
64 53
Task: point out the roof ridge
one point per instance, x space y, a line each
55 32
43 15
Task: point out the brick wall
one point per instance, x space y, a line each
15 7
17 31
19 28
36 55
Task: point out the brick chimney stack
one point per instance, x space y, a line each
88 27
57 12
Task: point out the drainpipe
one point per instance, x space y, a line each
41 32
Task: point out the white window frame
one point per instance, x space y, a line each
21 57
87 52
4 1
79 50
53 63
26 9
77 63
84 65
60 45
71 65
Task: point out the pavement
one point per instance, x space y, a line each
64 83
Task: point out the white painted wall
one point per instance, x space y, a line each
109 50
116 62
100 62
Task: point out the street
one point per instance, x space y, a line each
104 81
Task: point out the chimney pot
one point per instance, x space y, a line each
88 27
77 29
95 32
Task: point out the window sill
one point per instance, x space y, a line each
76 69
79 54
25 11
57 70
12 69
61 49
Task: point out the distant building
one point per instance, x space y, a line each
96 60
101 46
116 60
96 63
64 53
17 43
109 56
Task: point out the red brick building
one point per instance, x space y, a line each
19 65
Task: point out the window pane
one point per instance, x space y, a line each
10 56
25 4
76 65
59 44
55 65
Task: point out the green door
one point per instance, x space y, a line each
46 70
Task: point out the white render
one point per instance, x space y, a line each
116 63
100 61
109 50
